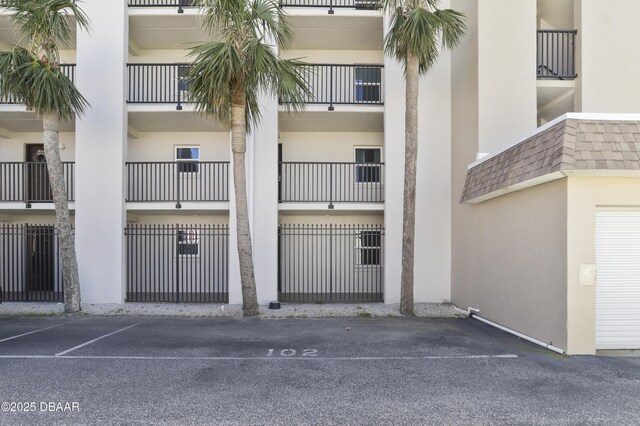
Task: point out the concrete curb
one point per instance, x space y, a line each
363 310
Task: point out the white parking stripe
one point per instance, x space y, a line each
31 332
94 340
230 358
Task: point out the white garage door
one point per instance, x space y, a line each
618 287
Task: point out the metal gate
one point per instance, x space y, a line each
331 263
177 263
30 269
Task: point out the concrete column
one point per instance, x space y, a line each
394 88
264 205
235 287
101 146
507 92
432 272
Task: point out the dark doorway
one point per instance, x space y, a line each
38 186
39 262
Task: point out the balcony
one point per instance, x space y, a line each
343 84
330 183
556 56
177 182
67 69
333 4
28 182
330 84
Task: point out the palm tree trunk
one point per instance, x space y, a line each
245 251
50 125
409 200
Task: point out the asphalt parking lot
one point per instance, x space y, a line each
117 370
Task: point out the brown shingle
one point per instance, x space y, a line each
569 145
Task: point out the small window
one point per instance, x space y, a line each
367 84
188 242
368 248
371 172
187 158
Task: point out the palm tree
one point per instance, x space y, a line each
31 73
418 32
227 77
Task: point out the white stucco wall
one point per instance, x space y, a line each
101 146
335 56
608 35
327 146
15 149
506 71
160 146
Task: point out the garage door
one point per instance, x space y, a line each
618 287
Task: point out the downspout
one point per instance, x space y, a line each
473 313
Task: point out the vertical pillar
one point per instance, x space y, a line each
101 147
264 204
432 270
507 85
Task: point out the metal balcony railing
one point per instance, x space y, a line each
29 182
178 181
556 57
331 182
158 84
343 84
180 4
334 4
68 69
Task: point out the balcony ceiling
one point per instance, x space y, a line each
337 32
177 31
26 121
172 121
332 121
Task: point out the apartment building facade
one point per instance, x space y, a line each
150 182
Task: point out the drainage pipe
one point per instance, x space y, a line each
473 313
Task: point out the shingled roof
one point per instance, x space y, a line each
571 144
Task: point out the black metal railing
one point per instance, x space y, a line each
331 263
30 268
180 4
177 263
29 182
556 56
334 4
311 182
158 84
67 69
177 181
343 84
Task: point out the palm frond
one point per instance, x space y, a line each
419 29
41 87
245 60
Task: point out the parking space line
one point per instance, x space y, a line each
31 332
232 358
94 340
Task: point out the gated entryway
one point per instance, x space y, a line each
30 263
177 263
331 263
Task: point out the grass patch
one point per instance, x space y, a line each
363 315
